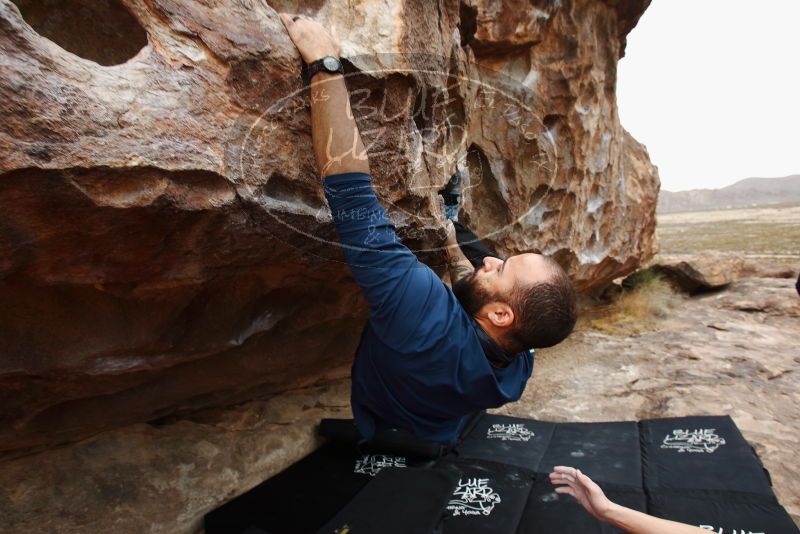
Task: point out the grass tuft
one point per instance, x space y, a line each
640 307
641 278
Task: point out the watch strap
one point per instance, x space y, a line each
319 66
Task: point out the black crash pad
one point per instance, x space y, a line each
697 470
546 507
723 513
397 501
489 497
514 441
606 452
705 453
304 496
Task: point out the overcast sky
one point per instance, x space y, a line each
712 88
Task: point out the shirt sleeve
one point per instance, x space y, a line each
395 283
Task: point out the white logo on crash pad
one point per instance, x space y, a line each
720 530
473 496
509 432
371 464
699 440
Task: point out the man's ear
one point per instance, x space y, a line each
500 314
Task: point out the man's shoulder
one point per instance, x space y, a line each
441 327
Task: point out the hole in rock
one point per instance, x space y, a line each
551 121
423 111
283 188
468 22
489 212
103 31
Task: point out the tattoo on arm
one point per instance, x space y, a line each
459 271
458 264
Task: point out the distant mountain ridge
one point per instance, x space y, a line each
744 193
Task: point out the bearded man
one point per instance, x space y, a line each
430 356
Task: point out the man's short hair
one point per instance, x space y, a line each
544 312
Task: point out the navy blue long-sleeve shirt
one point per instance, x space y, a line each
420 365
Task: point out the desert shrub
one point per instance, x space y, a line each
645 301
642 278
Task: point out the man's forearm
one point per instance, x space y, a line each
337 142
640 523
457 263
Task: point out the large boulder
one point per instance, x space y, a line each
164 240
695 273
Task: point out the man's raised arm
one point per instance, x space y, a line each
337 142
457 263
395 283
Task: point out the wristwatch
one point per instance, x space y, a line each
326 64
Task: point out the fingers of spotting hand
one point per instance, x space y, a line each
568 484
562 478
575 474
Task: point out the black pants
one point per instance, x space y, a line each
472 247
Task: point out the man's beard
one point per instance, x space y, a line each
472 295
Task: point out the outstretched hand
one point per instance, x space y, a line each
572 482
311 38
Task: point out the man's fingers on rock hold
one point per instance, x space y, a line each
288 18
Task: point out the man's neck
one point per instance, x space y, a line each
492 332
495 336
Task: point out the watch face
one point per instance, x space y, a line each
331 63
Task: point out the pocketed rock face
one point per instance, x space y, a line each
164 240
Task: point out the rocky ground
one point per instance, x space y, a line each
731 352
